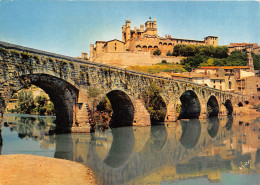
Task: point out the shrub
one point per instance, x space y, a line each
169 53
164 61
257 107
157 52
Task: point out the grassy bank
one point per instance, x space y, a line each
157 68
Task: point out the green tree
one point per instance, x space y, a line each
168 53
220 52
25 102
220 62
50 109
40 107
206 50
256 59
104 105
176 50
41 100
189 50
157 52
93 95
237 58
209 62
193 62
164 61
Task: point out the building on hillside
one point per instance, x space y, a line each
226 75
144 39
213 81
249 85
243 47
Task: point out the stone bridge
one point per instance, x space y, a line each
69 82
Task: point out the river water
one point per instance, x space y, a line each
222 150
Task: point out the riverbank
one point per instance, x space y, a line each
30 169
247 110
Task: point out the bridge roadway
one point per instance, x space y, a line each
68 80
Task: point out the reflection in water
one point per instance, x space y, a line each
19 131
190 133
157 140
122 146
1 140
184 150
229 122
213 125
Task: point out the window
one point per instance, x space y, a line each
214 86
229 85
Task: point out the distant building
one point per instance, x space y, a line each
243 47
249 85
224 77
144 39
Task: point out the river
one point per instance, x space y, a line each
222 150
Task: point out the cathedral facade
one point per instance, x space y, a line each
144 39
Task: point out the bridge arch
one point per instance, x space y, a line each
123 108
212 107
240 104
63 95
190 105
229 107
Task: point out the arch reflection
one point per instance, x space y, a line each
122 146
157 140
1 140
229 122
213 126
191 131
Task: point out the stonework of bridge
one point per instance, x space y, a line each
68 80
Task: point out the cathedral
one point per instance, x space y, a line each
144 39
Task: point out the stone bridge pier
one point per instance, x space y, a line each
136 98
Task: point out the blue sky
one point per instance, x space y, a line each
69 27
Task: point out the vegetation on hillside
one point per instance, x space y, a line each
256 59
207 51
157 68
199 56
